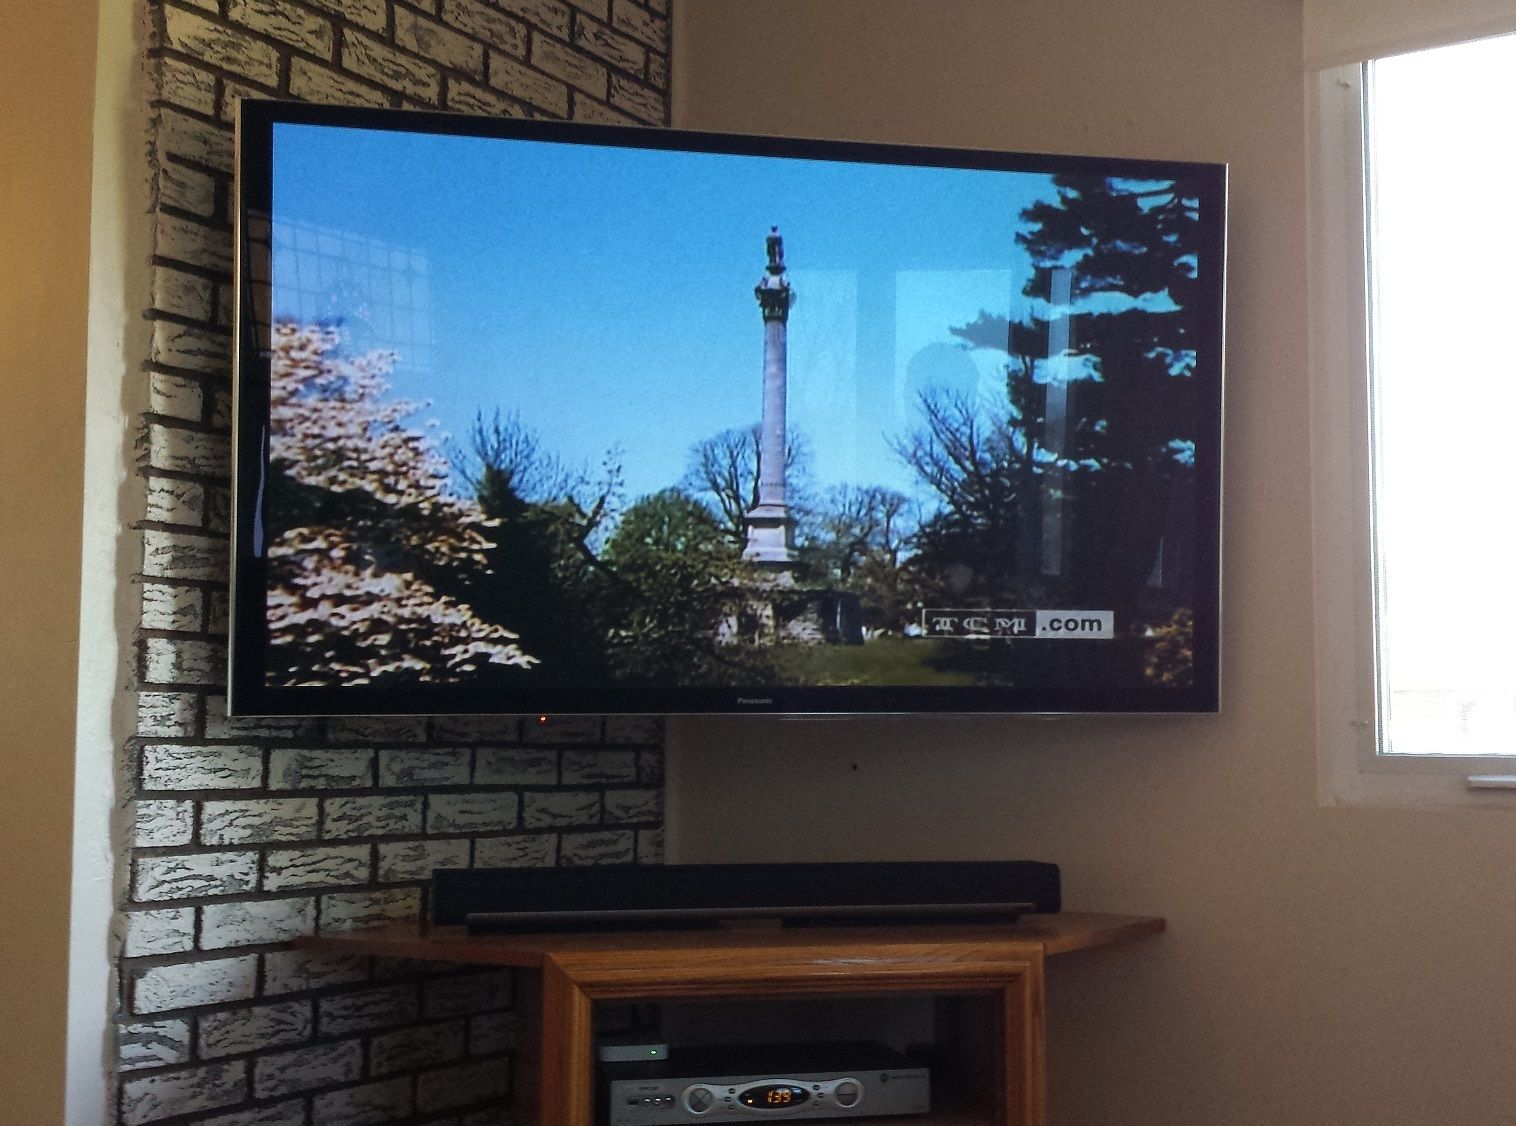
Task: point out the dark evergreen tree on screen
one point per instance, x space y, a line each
1111 326
1134 247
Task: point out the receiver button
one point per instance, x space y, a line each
847 1092
698 1100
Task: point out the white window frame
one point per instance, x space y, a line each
1350 769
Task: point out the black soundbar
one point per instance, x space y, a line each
600 897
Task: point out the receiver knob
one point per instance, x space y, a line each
698 1100
847 1092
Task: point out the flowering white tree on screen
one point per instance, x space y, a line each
362 535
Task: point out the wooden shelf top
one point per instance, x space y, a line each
1054 934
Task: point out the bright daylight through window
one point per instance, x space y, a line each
1442 254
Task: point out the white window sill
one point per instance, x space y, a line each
1351 774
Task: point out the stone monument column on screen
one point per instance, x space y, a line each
769 525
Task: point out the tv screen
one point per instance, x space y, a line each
547 417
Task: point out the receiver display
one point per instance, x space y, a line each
774 1096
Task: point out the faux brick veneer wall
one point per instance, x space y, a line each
250 833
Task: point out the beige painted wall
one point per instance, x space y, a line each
1323 966
47 94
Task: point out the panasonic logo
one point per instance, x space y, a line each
755 700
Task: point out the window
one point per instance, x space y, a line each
1414 255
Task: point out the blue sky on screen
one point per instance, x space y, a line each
605 296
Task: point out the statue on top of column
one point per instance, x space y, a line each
773 289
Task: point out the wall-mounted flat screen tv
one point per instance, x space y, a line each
542 417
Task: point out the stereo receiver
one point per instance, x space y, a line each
741 1084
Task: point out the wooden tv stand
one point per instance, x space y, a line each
993 973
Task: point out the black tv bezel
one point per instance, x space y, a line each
247 695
